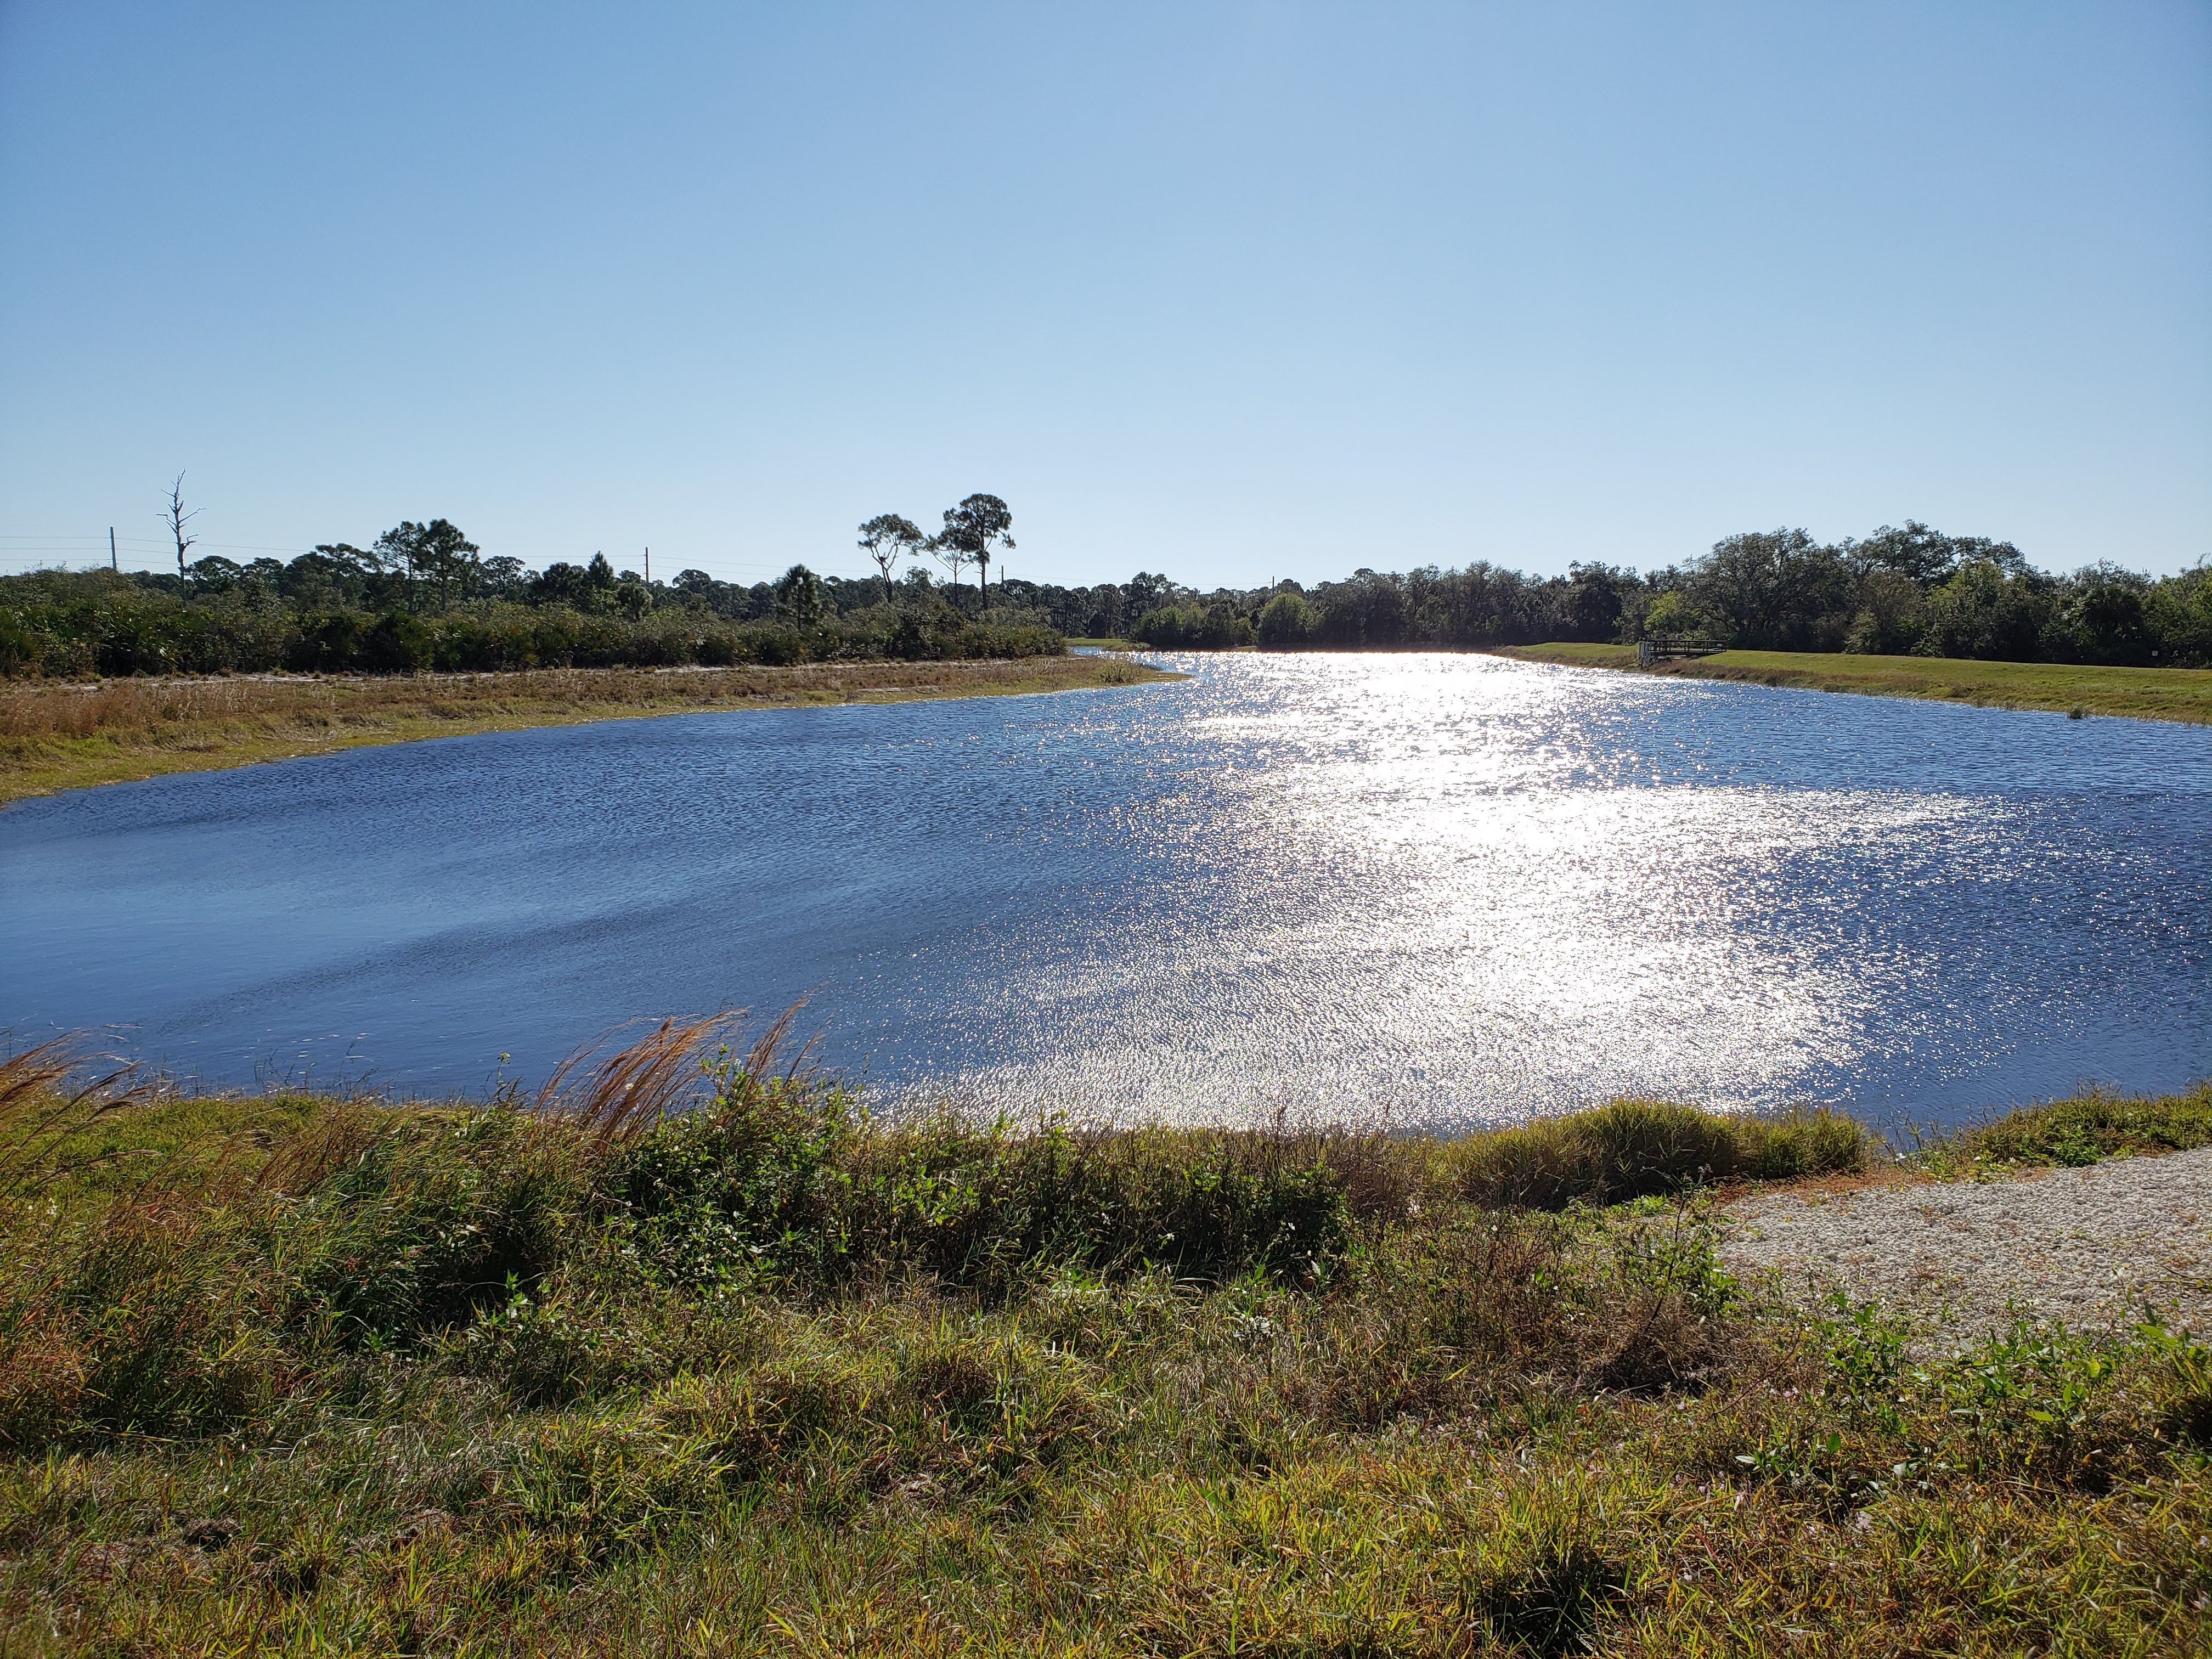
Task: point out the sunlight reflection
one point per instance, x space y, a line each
1449 886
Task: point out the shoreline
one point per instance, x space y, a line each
669 1349
689 1349
2178 696
56 736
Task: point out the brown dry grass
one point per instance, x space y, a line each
62 736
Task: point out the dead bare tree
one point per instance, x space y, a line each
176 518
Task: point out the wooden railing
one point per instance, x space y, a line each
1666 647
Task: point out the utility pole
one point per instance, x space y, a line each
112 565
648 567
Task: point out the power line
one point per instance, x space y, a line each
45 541
66 543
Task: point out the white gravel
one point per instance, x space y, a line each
2080 1248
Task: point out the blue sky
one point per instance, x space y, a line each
1230 290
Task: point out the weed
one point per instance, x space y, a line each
690 1353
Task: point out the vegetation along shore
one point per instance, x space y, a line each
63 735
422 596
688 1360
2139 693
1907 611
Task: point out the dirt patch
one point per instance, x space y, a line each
2084 1247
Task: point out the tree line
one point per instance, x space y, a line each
1909 591
423 596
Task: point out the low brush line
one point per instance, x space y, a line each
2183 694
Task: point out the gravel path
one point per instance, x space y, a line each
2082 1247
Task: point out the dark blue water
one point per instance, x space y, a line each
1444 888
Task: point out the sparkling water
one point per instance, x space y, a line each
1433 888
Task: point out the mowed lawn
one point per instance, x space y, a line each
2154 694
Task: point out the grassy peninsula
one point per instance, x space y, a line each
67 735
2149 694
568 1375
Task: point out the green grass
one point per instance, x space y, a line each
2084 1130
2162 694
1638 1148
568 1376
1111 645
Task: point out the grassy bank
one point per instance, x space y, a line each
2070 1134
66 736
2151 694
309 1376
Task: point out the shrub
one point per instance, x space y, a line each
974 1204
779 1181
325 643
751 1185
1796 1145
393 1223
78 624
1479 1431
396 643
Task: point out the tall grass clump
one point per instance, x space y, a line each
207 1289
1636 1148
777 1177
2083 1130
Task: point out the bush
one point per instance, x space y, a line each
80 625
325 644
779 1181
1480 1431
974 1204
395 643
751 1185
394 1224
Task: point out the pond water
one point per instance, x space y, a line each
1445 889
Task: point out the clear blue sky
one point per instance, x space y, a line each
1229 290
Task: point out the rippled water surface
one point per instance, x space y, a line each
1449 888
